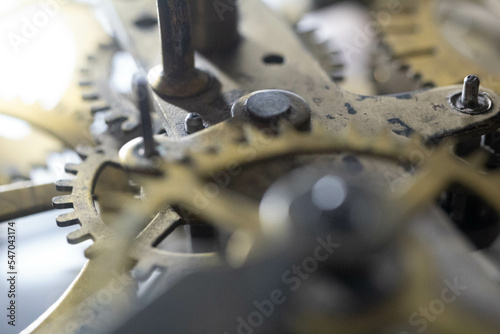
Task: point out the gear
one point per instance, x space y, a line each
16 167
417 41
90 175
67 121
232 212
186 175
330 61
120 115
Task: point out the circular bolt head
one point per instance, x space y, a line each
266 106
193 123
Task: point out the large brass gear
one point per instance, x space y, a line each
184 167
416 42
231 211
437 169
188 172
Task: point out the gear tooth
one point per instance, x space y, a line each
91 97
64 185
111 117
63 202
84 150
100 149
85 83
129 125
78 236
337 76
67 219
71 168
99 107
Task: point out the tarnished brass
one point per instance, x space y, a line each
416 37
24 198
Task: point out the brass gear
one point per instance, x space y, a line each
92 219
64 125
227 145
230 211
418 45
189 161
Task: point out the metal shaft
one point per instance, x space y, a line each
470 91
175 32
177 75
144 105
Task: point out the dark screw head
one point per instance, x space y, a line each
193 123
266 106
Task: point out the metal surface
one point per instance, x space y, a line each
263 34
24 198
267 108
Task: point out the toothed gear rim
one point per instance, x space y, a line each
416 43
84 213
440 169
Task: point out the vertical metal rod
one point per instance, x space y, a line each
470 91
144 105
177 75
175 37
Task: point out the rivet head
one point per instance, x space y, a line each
266 106
193 123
